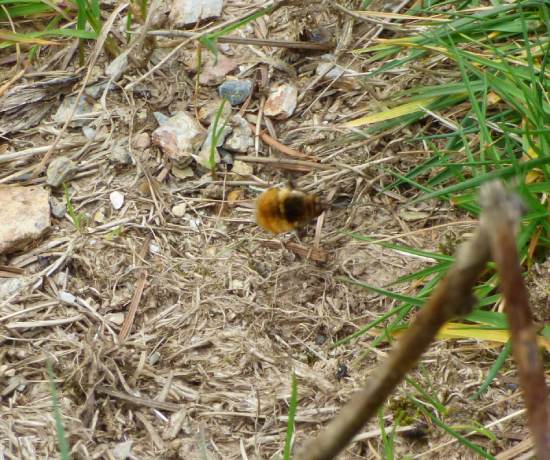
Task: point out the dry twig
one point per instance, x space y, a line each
292 44
500 220
140 286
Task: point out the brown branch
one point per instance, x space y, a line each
453 297
272 142
325 46
501 225
286 163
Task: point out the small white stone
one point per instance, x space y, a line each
154 248
154 358
67 297
179 210
194 223
236 285
89 133
10 286
65 110
99 216
222 130
117 199
121 155
58 208
142 141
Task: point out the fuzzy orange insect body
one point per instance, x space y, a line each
283 209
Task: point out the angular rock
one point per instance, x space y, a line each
281 102
213 73
182 173
207 112
142 141
10 286
123 450
24 216
223 130
187 12
58 208
96 90
242 138
343 77
235 91
178 136
61 169
115 318
242 169
117 66
330 70
89 132
120 154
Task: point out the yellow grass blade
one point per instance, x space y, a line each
395 112
18 38
380 14
465 331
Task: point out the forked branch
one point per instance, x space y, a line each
454 297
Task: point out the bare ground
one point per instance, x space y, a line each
225 312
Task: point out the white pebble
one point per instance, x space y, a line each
117 199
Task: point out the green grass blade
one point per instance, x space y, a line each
493 371
292 407
461 439
503 173
59 429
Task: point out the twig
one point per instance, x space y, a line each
272 142
282 162
140 402
247 41
453 297
43 323
515 451
136 298
30 152
501 225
